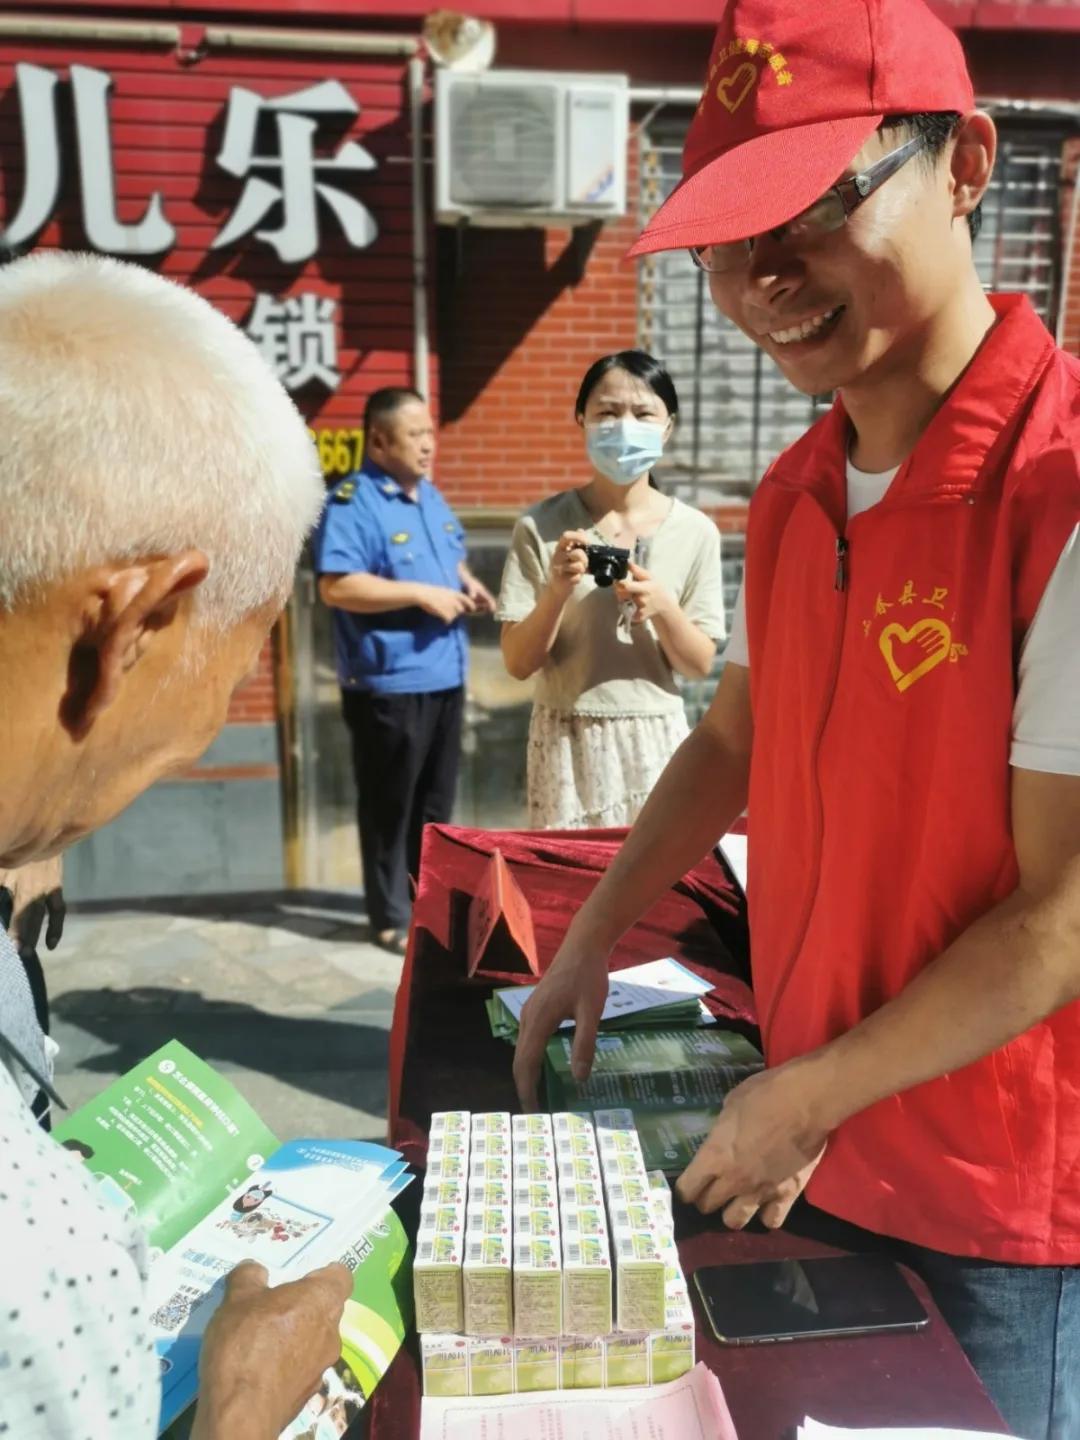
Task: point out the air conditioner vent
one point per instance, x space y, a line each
503 144
519 146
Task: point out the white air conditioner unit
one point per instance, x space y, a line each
525 147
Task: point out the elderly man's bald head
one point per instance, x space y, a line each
156 484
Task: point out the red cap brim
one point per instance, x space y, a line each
756 186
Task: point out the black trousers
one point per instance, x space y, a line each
406 750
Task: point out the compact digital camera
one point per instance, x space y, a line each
607 563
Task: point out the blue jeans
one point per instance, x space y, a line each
1020 1327
1019 1324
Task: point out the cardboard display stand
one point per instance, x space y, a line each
500 932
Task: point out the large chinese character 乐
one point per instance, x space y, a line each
297 185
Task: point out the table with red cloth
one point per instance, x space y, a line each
443 1056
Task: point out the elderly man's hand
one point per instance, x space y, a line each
762 1150
265 1351
29 897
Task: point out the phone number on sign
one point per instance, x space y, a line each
340 451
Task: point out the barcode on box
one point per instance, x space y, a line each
474 1253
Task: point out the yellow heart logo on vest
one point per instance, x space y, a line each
932 640
733 89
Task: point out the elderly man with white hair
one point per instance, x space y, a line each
156 484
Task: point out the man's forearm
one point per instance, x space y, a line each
367 594
702 791
1008 971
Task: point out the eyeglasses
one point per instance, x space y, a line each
829 213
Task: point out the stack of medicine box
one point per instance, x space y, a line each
652 1305
534 1169
586 1252
538 1299
486 1273
440 1241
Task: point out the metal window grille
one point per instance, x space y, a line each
1019 246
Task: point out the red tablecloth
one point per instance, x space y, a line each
443 1056
440 1034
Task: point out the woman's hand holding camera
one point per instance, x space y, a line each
651 600
569 563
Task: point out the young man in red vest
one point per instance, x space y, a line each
900 709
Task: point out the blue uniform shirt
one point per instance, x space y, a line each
371 525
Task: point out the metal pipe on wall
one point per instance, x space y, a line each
421 339
37 27
333 42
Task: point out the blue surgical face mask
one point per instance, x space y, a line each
626 449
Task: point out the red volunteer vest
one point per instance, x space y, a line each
883 661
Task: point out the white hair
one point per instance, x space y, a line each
137 421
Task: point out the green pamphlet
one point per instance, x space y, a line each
674 1082
175 1142
170 1138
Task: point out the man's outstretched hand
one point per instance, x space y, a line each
761 1152
265 1351
575 987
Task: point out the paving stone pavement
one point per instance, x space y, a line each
278 990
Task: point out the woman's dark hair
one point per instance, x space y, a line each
642 366
637 363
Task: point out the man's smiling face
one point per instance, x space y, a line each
850 305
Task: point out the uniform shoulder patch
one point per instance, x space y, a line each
344 492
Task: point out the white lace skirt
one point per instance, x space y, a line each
596 771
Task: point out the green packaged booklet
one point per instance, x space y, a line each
674 1081
175 1142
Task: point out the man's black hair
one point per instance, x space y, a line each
936 128
383 405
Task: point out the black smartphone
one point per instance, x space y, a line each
766 1301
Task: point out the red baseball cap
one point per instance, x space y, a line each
794 90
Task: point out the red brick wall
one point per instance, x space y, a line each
523 313
1070 297
253 703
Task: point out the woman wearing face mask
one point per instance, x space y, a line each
607 712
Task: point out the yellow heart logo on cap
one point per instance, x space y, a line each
933 641
733 89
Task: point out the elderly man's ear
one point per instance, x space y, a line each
126 609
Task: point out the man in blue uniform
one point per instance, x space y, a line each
390 556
